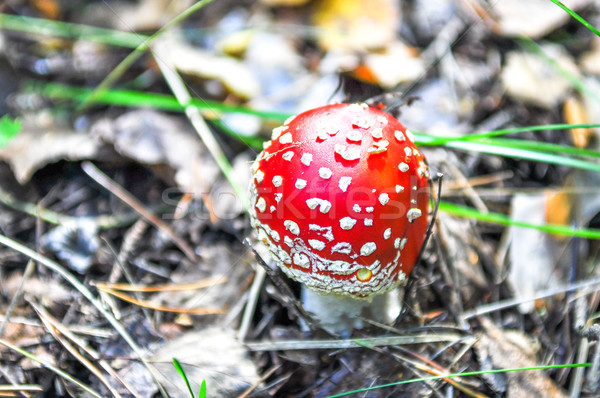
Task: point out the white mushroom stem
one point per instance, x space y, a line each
342 314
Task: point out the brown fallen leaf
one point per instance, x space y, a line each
512 349
356 24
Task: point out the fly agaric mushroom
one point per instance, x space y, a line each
340 198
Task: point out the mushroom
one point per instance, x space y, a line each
340 198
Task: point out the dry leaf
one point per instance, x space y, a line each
574 111
191 60
151 137
356 24
532 18
524 74
398 63
590 61
533 253
43 140
513 349
213 355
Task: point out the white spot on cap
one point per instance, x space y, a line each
356 107
255 166
410 136
370 209
286 138
378 147
325 173
377 133
399 188
278 197
260 176
403 167
344 183
289 120
301 260
346 152
312 203
324 205
292 227
354 135
413 214
326 232
382 119
368 248
342 247
277 180
316 244
368 222
300 183
399 136
288 241
324 132
384 198
306 158
266 144
261 205
407 151
362 122
272 208
397 243
347 223
277 132
288 156
275 235
387 233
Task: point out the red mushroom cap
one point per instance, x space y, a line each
340 197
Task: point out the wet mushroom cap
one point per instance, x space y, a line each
340 197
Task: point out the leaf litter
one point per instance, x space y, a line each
467 73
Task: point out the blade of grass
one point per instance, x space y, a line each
501 132
475 373
114 75
504 148
69 30
185 100
134 98
9 128
572 13
498 218
181 372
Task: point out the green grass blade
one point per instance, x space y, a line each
501 132
132 98
503 147
464 374
572 13
499 218
181 372
68 30
9 128
202 392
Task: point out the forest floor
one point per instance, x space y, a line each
123 241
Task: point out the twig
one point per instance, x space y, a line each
504 304
17 296
117 190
